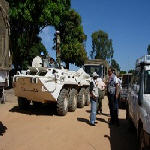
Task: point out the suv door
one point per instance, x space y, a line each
133 97
132 102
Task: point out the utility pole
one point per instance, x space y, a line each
58 47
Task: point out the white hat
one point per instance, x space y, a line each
95 74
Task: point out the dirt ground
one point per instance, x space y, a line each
40 128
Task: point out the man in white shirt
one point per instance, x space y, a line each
119 83
93 98
113 94
101 87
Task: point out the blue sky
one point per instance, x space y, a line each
126 21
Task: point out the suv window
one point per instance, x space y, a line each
136 78
90 69
147 82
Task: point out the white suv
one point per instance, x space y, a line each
138 105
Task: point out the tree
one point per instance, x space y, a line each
101 46
131 71
27 18
26 23
72 39
123 72
148 49
115 65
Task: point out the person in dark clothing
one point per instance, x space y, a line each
113 94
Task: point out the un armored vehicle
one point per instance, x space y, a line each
138 105
68 89
99 66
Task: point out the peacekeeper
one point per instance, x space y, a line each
52 63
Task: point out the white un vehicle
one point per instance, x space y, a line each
138 105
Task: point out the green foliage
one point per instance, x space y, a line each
148 49
27 18
101 45
72 39
122 72
131 71
36 50
115 65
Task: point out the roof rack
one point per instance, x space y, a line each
145 60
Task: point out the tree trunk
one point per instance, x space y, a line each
67 65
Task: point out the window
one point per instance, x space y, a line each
147 82
90 69
136 77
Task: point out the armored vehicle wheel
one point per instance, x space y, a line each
87 97
81 98
72 100
2 96
62 103
36 104
23 103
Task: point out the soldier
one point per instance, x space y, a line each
113 93
93 98
52 63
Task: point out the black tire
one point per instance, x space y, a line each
2 97
81 98
87 97
62 103
72 101
23 103
36 104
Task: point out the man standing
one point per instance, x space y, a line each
101 88
113 93
93 98
52 63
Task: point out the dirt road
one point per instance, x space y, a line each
36 129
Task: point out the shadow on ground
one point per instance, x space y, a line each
107 115
47 109
83 120
122 138
87 121
88 111
101 120
2 129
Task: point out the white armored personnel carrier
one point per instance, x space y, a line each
68 89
